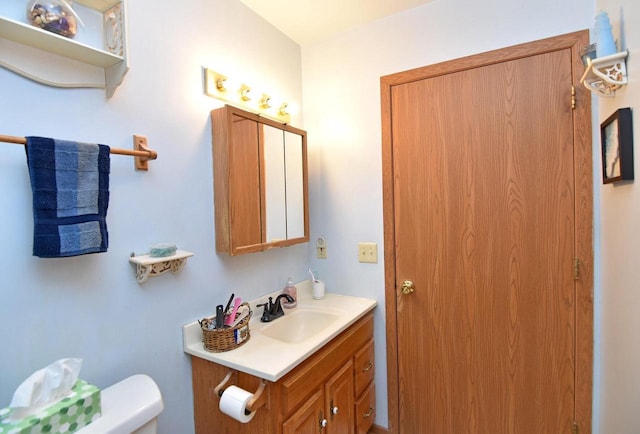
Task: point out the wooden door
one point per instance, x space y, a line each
307 420
339 401
486 176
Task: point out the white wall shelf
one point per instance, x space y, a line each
148 266
604 75
96 59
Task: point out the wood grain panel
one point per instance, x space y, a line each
498 231
339 397
244 183
307 419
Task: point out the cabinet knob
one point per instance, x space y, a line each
368 367
332 409
322 421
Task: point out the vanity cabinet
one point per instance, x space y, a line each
335 385
260 182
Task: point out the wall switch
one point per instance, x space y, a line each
368 252
321 248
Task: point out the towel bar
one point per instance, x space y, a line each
141 153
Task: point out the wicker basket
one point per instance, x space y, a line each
226 339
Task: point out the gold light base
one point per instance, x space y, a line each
214 86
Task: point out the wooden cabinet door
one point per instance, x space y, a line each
308 419
484 219
339 401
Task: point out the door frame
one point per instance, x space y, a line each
583 174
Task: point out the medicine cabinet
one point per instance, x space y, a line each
260 182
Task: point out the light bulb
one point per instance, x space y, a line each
245 92
265 101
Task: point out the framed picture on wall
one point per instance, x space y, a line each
616 135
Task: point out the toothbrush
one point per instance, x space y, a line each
313 277
232 316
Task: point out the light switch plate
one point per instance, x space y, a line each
368 252
321 248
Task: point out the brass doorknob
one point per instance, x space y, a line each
408 287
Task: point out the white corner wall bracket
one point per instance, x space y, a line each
604 75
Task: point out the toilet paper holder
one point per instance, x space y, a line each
259 397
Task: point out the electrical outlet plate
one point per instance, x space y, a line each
322 252
368 252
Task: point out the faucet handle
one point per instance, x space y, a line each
266 313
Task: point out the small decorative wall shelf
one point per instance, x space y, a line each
148 266
95 58
604 75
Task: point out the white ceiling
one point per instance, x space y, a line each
307 21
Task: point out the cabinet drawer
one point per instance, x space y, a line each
364 367
366 410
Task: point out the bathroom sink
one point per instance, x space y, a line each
298 325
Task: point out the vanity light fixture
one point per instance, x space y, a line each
242 95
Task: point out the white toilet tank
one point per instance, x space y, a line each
130 406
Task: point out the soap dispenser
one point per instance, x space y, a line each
291 290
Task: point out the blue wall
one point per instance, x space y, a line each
91 306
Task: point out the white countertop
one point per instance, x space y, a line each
269 358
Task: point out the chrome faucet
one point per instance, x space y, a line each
273 310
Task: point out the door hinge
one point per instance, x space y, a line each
576 269
575 428
573 97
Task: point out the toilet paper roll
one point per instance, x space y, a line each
233 402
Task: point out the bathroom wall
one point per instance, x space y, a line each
619 398
91 306
341 83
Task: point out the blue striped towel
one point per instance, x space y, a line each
70 185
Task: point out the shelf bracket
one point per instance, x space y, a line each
147 266
604 75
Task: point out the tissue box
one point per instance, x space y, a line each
70 414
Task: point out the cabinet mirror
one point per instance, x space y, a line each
260 182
